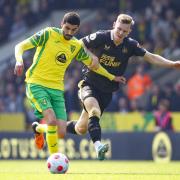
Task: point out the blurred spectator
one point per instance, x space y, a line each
19 26
156 20
44 10
175 103
3 30
123 105
167 92
2 106
153 98
8 15
162 116
134 106
29 114
138 84
72 101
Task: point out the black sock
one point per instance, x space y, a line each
94 129
71 127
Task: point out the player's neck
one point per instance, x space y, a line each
117 43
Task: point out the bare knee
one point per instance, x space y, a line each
81 130
94 111
50 117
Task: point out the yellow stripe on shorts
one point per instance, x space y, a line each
32 99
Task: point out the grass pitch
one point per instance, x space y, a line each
91 170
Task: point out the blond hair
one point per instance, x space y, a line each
125 19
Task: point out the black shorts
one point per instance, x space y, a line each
86 90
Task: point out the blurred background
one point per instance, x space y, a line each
148 103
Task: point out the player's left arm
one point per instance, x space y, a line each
95 60
100 70
161 61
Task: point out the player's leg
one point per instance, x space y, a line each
89 97
40 100
35 93
58 104
52 130
79 126
92 106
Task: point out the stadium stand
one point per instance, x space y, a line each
157 23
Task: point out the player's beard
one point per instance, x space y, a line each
67 36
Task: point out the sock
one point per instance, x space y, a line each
52 139
71 127
94 129
96 145
41 128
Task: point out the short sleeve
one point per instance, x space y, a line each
40 38
93 40
82 55
137 49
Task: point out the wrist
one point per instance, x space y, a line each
19 63
112 77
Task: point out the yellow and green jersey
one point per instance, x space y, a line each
52 57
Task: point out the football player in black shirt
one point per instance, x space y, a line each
113 49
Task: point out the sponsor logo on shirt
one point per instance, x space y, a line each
109 61
60 58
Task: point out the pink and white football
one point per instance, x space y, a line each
57 163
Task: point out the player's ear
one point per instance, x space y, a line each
61 25
129 31
114 25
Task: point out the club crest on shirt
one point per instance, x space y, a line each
106 47
43 102
72 48
124 50
60 58
92 36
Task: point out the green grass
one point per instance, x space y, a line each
91 170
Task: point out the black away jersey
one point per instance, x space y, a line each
113 58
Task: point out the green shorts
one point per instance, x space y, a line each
42 98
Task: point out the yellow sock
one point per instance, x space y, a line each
41 128
52 139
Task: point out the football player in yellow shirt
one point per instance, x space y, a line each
55 50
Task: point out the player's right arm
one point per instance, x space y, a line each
36 40
19 50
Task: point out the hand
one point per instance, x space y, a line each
19 68
94 64
120 79
176 64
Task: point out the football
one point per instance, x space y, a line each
57 163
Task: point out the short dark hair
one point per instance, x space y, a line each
71 18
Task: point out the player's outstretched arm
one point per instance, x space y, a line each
19 50
100 70
161 61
